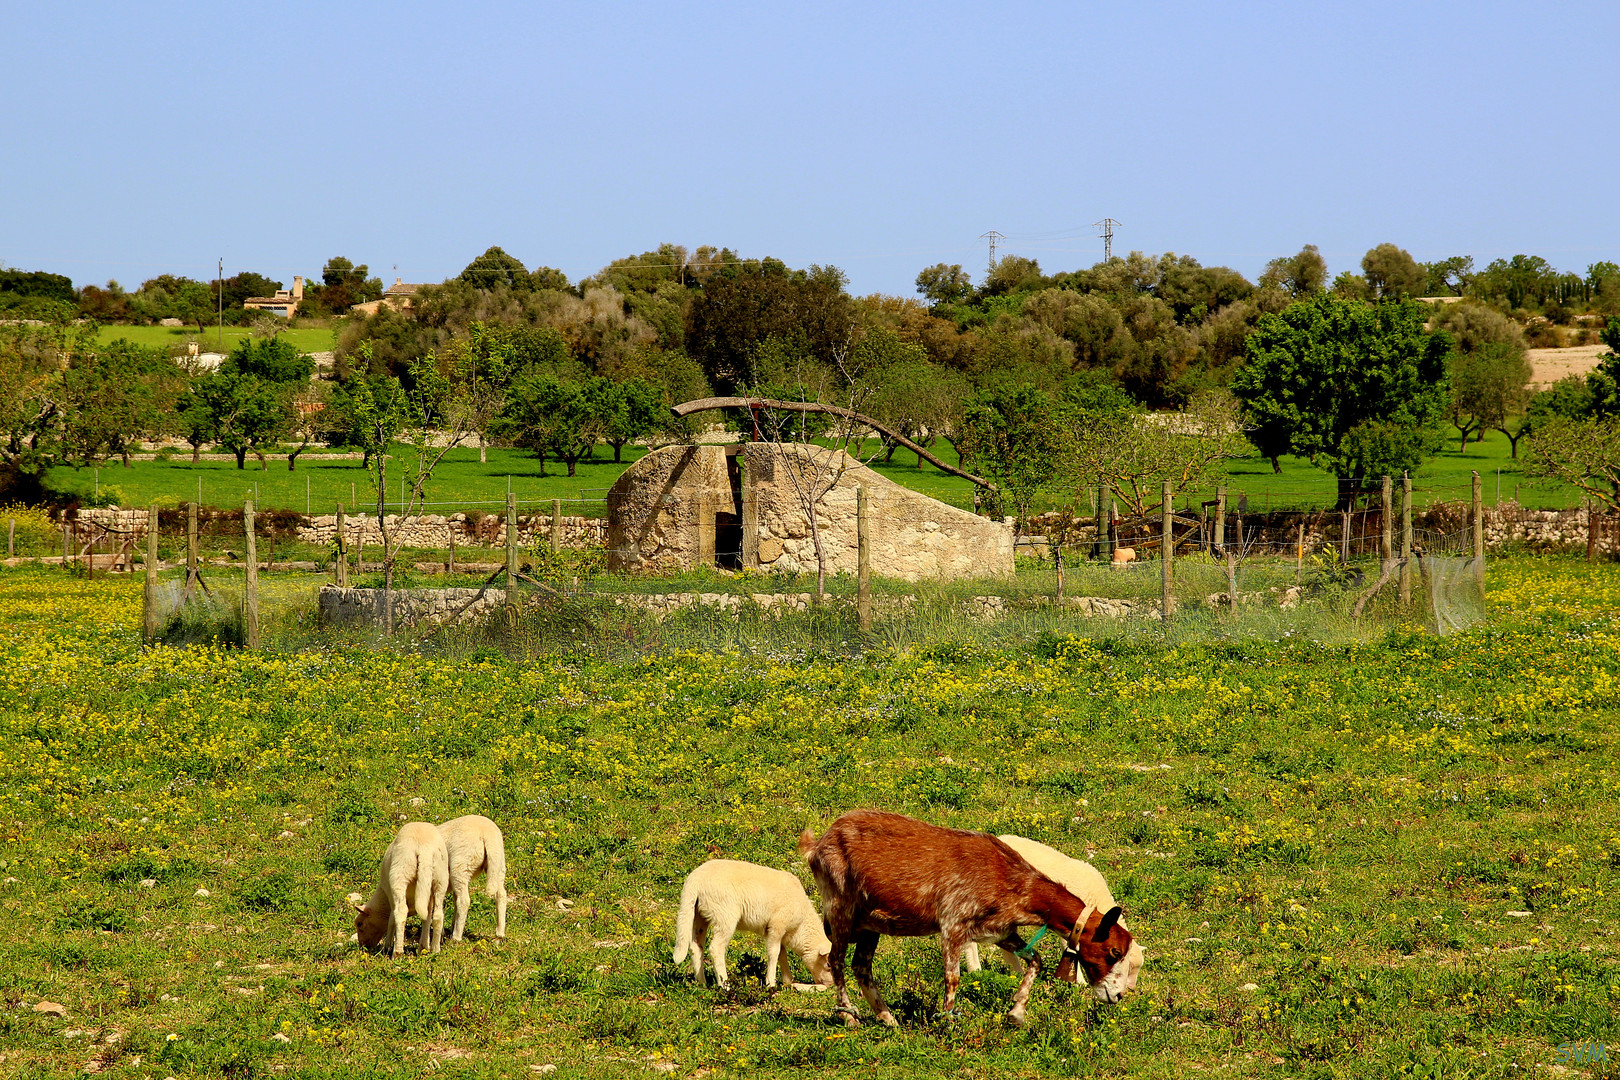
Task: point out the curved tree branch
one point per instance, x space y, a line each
706 404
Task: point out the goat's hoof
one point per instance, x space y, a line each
888 1019
1015 1019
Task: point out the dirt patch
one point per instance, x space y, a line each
1547 366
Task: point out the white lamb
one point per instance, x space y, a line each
414 877
476 846
1081 879
724 896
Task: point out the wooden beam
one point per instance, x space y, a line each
707 404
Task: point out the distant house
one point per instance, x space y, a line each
399 296
284 303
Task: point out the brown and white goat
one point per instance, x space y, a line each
882 873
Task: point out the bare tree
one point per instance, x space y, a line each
1132 454
812 469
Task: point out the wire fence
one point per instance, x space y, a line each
877 557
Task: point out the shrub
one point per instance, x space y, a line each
36 533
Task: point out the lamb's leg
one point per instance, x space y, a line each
1013 962
719 940
396 925
438 918
1011 943
700 927
773 952
866 943
459 924
970 957
500 912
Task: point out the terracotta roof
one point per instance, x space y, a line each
400 288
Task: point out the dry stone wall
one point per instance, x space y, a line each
343 607
913 536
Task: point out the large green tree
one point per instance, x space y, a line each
1302 275
1319 370
1392 273
496 268
741 306
1013 436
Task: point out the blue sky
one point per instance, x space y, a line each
880 138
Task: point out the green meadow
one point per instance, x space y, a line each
462 483
1385 854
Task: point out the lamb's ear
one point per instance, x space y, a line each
1107 924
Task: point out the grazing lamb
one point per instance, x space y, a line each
882 873
415 874
476 847
1080 878
723 896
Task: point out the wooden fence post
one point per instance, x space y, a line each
1386 536
67 544
863 557
192 576
556 526
1167 551
511 559
1220 521
1591 531
149 612
450 531
340 565
1479 533
250 594
1299 553
11 539
1406 538
1100 548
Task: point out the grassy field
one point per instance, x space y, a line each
1387 857
462 483
308 339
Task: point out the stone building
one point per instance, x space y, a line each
742 507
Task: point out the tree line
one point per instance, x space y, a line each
1351 373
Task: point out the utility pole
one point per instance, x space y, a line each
1107 225
221 288
993 237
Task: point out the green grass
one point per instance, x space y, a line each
462 483
308 339
1321 846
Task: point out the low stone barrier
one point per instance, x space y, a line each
346 607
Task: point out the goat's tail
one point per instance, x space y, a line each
807 841
424 882
494 868
685 915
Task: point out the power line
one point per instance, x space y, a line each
1107 225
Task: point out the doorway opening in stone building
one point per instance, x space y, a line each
728 530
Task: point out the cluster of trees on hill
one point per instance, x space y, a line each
1024 373
51 297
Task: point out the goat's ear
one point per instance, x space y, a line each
1107 923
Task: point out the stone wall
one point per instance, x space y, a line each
341 607
423 530
913 536
435 531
